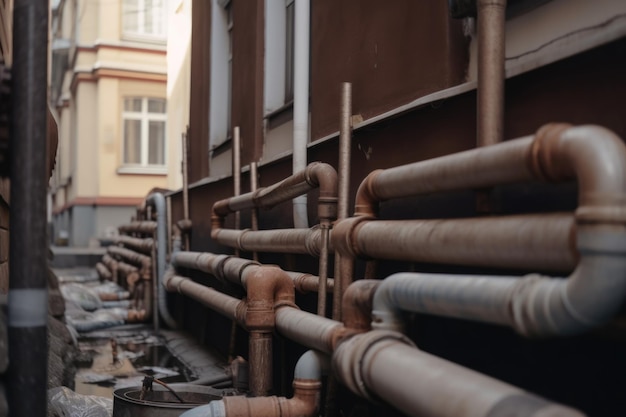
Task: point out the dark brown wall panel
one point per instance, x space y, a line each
198 152
393 52
247 87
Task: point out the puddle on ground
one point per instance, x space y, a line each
111 361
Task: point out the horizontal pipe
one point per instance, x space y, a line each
140 245
215 300
296 241
144 226
312 331
538 241
145 262
385 365
103 272
305 283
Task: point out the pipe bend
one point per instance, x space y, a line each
595 156
357 304
312 365
366 200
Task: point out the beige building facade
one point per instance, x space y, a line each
109 89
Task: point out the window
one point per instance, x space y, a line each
279 51
144 19
221 72
144 132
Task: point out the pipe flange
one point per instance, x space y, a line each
347 360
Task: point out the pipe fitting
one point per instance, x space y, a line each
348 357
357 304
344 236
366 200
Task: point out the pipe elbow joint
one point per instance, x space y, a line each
344 235
366 200
357 304
385 314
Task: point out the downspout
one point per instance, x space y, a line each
28 286
301 103
307 384
158 201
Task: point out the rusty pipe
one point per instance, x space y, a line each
323 268
310 330
357 304
223 304
133 257
304 403
141 227
112 265
305 283
103 272
541 241
139 245
297 241
491 71
254 185
386 365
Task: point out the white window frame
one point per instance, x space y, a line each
145 117
140 12
221 77
276 56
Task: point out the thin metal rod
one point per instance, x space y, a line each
254 185
27 299
236 193
323 271
491 73
185 168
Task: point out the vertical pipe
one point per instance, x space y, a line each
301 104
491 50
236 192
260 359
28 293
168 208
185 169
155 291
323 270
254 184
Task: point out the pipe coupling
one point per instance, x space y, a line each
344 236
348 359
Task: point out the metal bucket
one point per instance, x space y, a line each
162 403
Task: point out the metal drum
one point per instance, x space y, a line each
162 403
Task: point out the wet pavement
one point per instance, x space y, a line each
113 355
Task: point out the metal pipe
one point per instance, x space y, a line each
491 72
112 265
304 282
312 331
103 272
143 227
254 185
185 178
140 245
541 241
357 304
301 103
299 241
237 174
304 403
386 365
154 300
323 268
158 201
221 303
28 289
145 262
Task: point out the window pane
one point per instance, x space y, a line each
132 104
132 141
156 105
156 143
148 20
131 15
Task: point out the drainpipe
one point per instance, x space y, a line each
158 201
307 384
384 364
28 286
301 103
491 73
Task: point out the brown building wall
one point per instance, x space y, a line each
247 84
392 52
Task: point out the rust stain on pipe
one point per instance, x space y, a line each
357 304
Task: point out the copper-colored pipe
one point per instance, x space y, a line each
144 227
357 304
491 72
254 185
133 257
539 241
103 272
305 283
237 175
141 245
296 241
112 265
